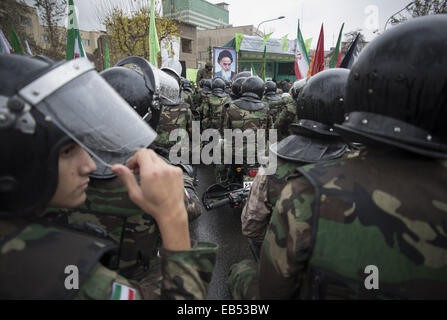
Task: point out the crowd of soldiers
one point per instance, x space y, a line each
360 177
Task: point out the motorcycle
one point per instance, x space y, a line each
234 192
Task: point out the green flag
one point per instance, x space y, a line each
336 58
238 38
106 56
154 47
266 37
285 43
253 70
307 44
15 42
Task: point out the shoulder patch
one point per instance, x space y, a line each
122 292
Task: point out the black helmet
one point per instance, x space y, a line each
397 89
270 86
227 86
30 145
243 74
186 85
321 100
131 86
43 106
236 88
218 87
298 86
253 87
320 105
206 85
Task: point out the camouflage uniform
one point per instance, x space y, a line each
212 108
34 256
329 225
265 192
274 107
171 118
286 116
234 117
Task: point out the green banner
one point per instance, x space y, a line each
285 43
238 38
191 74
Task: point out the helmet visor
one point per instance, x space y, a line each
89 111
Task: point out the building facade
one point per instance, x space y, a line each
39 33
200 13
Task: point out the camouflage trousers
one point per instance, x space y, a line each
243 281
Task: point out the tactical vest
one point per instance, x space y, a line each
34 260
387 211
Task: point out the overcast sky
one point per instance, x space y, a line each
367 15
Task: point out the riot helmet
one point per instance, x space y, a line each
270 91
227 86
206 86
253 87
131 86
243 74
322 98
297 87
320 105
270 86
43 106
236 88
186 85
218 87
396 93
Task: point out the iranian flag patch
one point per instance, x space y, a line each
122 292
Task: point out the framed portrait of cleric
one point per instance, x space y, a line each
224 63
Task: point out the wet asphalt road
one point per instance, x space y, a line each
221 226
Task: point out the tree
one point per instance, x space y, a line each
128 29
51 12
350 38
419 8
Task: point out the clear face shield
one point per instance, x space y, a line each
84 106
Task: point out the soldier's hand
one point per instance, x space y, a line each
160 194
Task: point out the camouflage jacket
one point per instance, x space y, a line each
263 195
265 192
211 108
171 118
383 209
34 257
234 117
274 107
286 116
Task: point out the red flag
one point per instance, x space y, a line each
319 54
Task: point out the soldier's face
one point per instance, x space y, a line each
75 164
225 64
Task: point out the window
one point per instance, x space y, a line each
86 42
45 38
25 21
186 45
